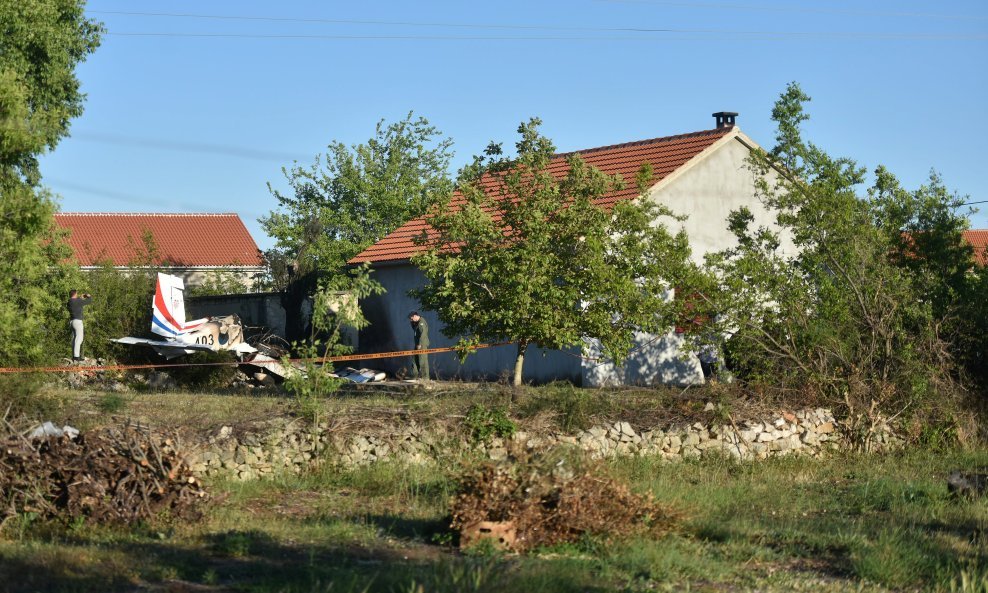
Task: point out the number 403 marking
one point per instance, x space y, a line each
206 339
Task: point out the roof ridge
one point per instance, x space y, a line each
710 132
147 214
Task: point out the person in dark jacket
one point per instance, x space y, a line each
420 362
76 303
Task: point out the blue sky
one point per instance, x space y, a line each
196 114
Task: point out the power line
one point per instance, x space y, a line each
727 33
180 146
799 9
778 34
232 17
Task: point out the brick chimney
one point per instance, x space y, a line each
725 119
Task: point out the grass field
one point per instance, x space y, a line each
846 523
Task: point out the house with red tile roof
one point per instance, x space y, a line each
978 238
192 246
702 175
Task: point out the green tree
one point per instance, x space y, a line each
527 257
41 42
122 302
971 327
335 313
355 196
926 228
843 316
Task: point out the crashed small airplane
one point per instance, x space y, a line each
215 334
181 337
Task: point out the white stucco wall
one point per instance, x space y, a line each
706 191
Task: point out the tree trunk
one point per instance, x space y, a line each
519 362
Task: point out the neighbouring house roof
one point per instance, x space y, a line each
184 240
978 238
666 155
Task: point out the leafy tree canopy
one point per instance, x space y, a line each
854 312
41 43
524 256
354 196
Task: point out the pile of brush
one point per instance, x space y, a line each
116 474
527 501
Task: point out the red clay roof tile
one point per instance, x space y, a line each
182 239
665 154
978 238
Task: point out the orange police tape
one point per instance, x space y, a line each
343 358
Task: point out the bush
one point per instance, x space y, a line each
121 307
845 314
207 371
484 423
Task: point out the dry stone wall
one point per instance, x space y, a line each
291 445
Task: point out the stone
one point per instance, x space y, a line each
690 453
626 429
625 448
160 381
825 428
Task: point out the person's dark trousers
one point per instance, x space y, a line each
420 366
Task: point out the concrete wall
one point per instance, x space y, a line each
390 331
197 276
258 309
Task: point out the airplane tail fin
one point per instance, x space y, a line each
168 309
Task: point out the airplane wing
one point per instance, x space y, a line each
173 349
165 348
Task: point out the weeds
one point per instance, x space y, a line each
484 423
111 403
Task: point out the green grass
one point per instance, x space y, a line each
864 523
849 522
558 406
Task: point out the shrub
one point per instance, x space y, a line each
484 423
208 370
